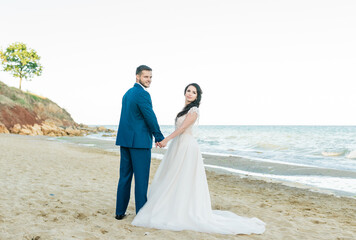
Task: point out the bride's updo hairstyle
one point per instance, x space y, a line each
195 103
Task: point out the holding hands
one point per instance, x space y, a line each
162 143
188 121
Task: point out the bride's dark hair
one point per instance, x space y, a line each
195 103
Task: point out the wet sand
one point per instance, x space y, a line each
250 165
53 190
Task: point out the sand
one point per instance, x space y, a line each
53 190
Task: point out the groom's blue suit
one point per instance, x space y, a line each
138 123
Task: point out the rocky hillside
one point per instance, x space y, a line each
30 114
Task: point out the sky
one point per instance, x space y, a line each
258 62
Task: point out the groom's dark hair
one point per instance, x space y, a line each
141 68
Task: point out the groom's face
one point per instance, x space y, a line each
145 78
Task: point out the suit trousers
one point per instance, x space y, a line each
134 161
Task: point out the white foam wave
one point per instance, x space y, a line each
335 183
352 155
231 137
157 156
270 146
110 139
332 154
87 144
260 159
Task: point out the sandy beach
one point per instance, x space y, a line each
54 190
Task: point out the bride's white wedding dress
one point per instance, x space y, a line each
179 197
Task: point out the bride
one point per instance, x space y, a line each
179 197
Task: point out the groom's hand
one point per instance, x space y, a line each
162 143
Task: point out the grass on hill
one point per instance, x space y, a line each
11 96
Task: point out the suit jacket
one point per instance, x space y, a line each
138 122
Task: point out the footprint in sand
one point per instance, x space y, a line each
315 221
42 214
102 212
64 211
80 216
264 205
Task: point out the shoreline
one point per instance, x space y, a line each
275 172
58 190
268 167
325 180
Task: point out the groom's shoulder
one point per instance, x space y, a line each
135 89
138 92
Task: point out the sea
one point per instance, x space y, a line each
317 157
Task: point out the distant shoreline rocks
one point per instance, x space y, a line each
49 128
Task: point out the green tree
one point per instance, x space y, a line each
23 63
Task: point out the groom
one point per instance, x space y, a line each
138 123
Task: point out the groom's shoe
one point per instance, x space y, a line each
120 217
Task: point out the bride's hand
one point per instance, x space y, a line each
163 143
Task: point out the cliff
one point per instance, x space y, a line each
30 114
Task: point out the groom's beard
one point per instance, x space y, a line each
141 82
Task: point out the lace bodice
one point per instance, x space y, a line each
181 119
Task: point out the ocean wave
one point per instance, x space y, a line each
157 156
321 182
87 144
259 159
332 154
289 145
99 137
231 137
352 155
209 142
270 146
